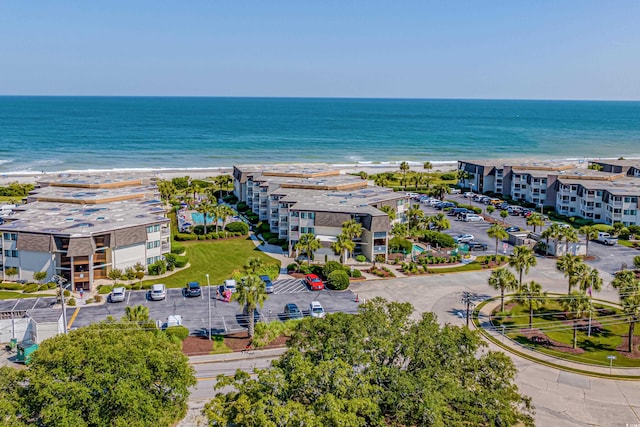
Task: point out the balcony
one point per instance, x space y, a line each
166 247
165 232
379 249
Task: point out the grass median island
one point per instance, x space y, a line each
218 258
19 295
552 333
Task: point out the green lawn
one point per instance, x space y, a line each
16 295
218 258
553 324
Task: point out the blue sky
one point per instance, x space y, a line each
397 49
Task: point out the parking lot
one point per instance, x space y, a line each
226 317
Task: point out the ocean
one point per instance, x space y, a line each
56 134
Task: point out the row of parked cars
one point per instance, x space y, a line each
500 204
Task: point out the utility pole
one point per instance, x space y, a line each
467 299
209 304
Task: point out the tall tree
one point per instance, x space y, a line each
414 215
407 373
440 222
629 291
308 244
531 296
253 265
576 305
590 233
569 265
554 232
211 194
251 294
167 189
522 259
193 188
502 279
206 209
428 166
463 176
352 229
106 374
404 169
381 180
495 231
391 212
400 230
441 191
535 220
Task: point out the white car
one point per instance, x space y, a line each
117 295
316 310
464 238
474 218
158 292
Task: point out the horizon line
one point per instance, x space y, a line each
318 97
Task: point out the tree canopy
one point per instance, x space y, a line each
107 374
379 368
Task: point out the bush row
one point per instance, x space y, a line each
181 237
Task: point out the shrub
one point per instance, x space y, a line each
449 176
398 243
179 332
136 287
170 259
380 258
338 280
67 293
180 237
361 258
242 207
11 286
181 261
230 199
97 298
356 273
177 248
157 268
291 268
71 302
435 238
104 289
237 227
330 267
31 287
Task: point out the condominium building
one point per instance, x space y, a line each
82 227
606 194
300 199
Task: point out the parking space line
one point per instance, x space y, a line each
128 296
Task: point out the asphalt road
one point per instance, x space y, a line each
226 317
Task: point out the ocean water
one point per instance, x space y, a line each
77 133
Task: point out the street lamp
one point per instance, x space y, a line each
209 304
471 185
61 280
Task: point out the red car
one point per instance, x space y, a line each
314 282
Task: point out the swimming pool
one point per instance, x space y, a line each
418 249
198 218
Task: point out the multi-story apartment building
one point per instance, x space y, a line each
607 196
82 227
315 199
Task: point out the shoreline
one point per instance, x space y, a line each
26 177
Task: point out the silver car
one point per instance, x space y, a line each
117 295
158 292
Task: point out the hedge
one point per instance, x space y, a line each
31 287
435 238
179 332
330 267
104 289
237 227
180 237
11 286
181 261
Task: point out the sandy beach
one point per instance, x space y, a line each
33 177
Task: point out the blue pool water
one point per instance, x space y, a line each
198 218
418 249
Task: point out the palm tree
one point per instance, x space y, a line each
308 244
137 314
428 166
491 209
391 212
575 306
441 190
569 265
440 222
205 208
193 188
629 291
498 233
570 235
216 213
590 233
380 180
223 181
351 229
535 220
502 279
417 178
342 246
415 214
531 296
428 177
400 230
226 211
251 294
617 228
253 265
167 189
553 232
404 168
522 259
463 176
211 195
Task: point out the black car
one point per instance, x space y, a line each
291 311
512 229
477 246
193 289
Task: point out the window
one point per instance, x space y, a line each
149 245
7 253
10 236
150 229
309 230
7 236
597 216
598 205
156 227
11 253
156 244
295 214
573 198
295 228
149 261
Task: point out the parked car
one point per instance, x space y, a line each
463 238
477 246
192 289
267 283
316 309
117 294
158 292
512 229
314 282
473 218
468 195
291 311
